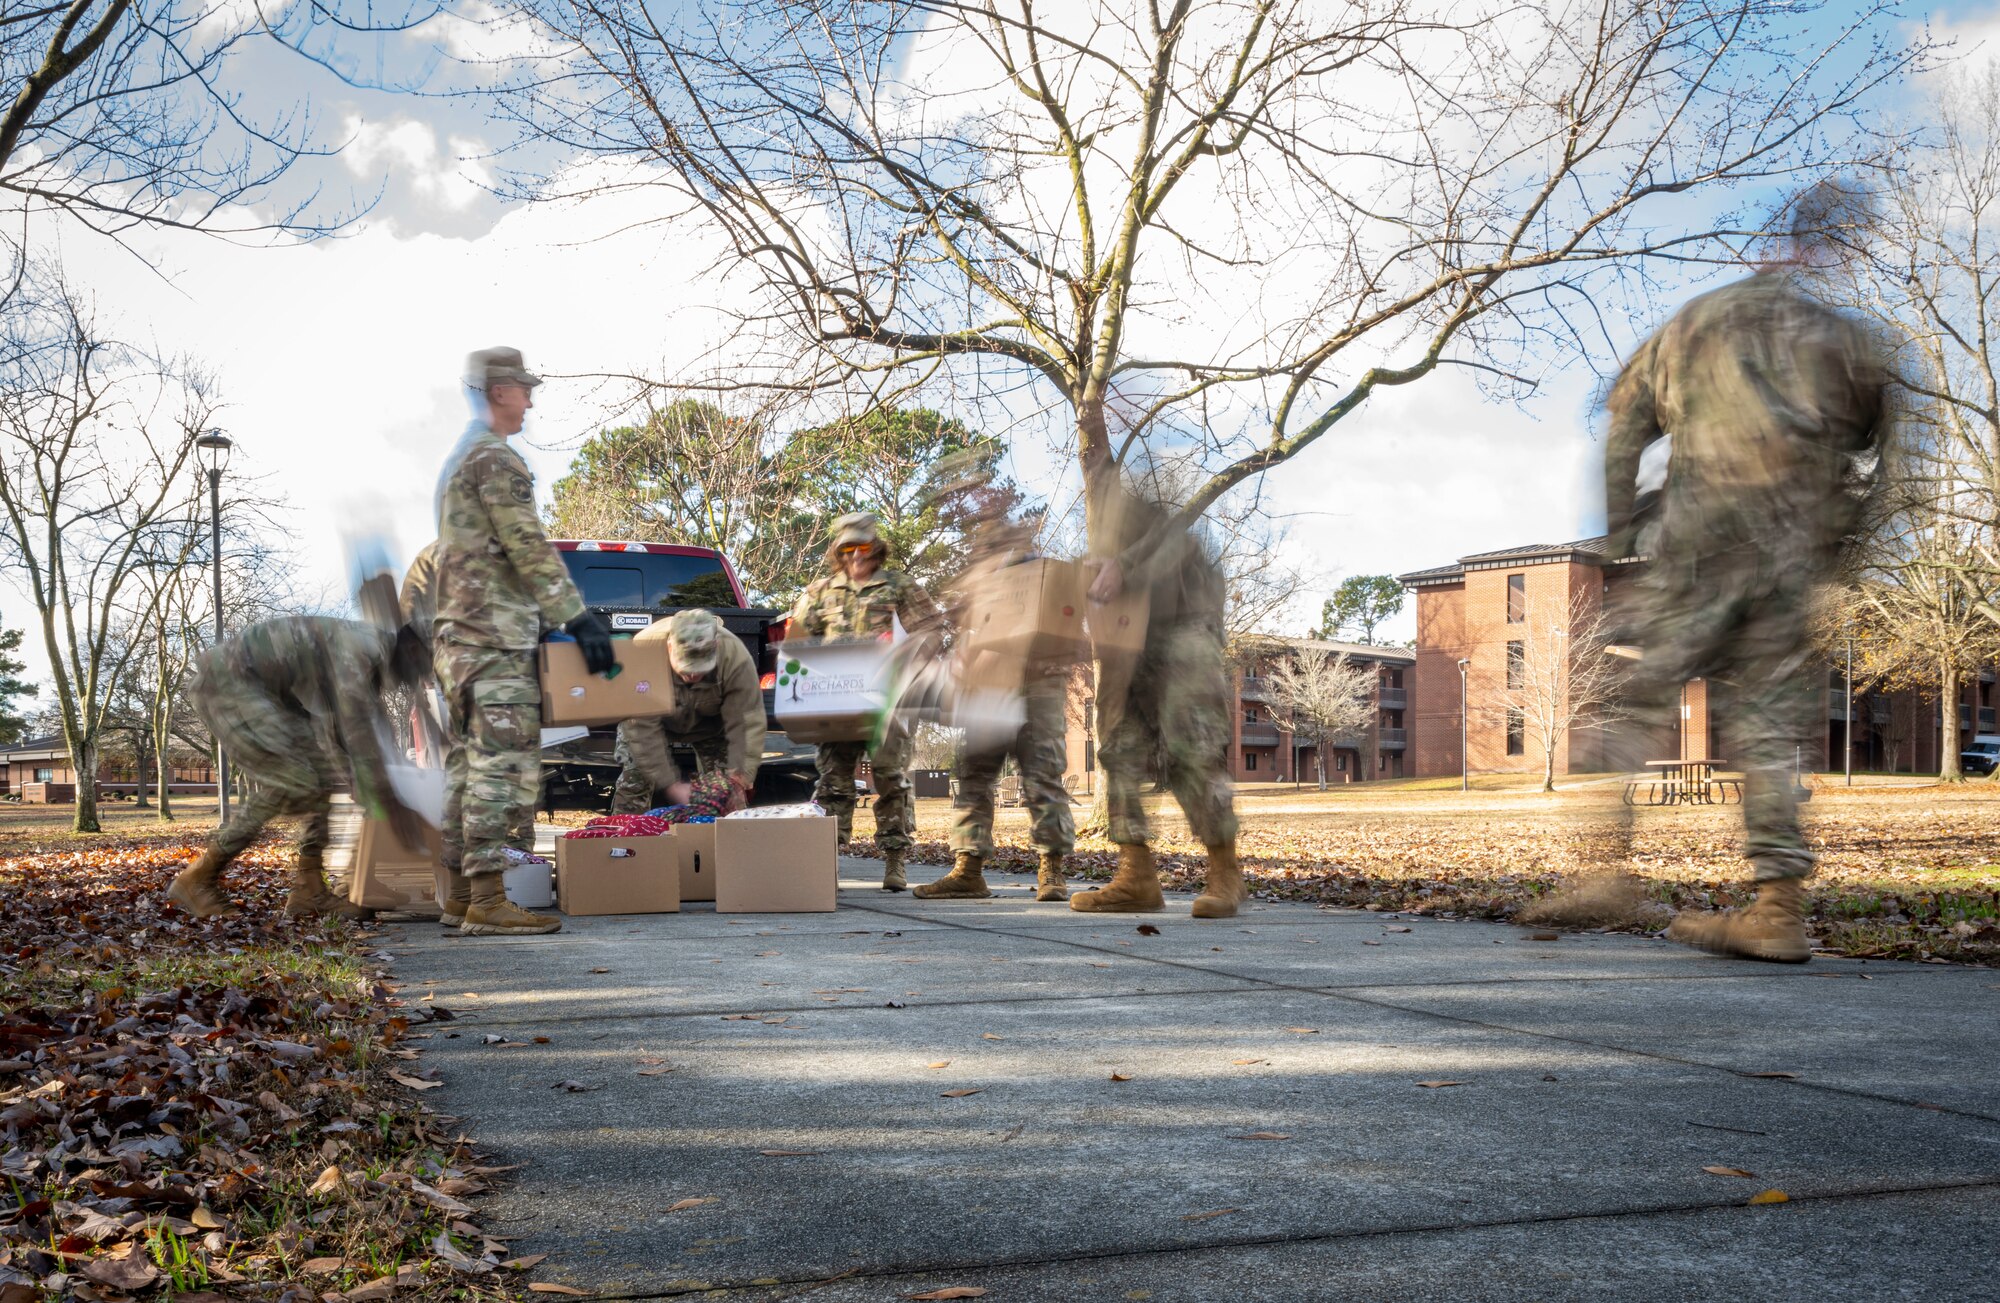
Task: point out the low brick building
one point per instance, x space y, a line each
1476 608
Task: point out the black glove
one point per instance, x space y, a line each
593 639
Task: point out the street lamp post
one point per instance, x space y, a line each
215 446
1464 761
1847 729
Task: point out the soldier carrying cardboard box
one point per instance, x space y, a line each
863 598
718 712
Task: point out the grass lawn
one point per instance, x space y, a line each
1908 869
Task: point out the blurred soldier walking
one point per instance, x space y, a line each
1171 696
997 542
297 704
862 598
718 712
1774 404
499 583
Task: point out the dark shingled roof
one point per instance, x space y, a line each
1583 549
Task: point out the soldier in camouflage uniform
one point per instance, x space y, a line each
1039 747
1773 402
499 584
862 599
297 703
1172 695
718 712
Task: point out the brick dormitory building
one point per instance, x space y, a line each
1479 608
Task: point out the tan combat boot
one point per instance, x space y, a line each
1134 887
490 914
966 881
893 878
197 889
1049 881
457 898
1222 892
1771 927
309 895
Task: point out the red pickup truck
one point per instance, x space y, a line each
632 585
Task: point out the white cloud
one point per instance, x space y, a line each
451 177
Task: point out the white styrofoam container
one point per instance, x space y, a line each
531 886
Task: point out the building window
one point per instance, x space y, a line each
1250 762
1517 598
1249 714
45 775
1517 670
1517 734
1395 678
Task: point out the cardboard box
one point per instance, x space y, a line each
572 695
831 691
695 848
1120 625
617 875
987 702
1034 609
776 866
388 875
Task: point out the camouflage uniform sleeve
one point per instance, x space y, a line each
1635 423
742 708
420 592
806 614
357 705
915 607
508 493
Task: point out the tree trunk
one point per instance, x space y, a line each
1319 763
140 761
1948 767
162 744
1548 769
85 759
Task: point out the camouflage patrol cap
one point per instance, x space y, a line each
856 527
498 366
692 639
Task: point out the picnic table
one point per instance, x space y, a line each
1688 781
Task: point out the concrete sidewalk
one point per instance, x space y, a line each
1225 1110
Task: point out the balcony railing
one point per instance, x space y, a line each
1260 735
1255 687
1393 698
1393 739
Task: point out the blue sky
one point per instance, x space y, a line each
339 359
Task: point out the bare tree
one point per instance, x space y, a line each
1235 221
94 440
121 115
1321 697
1558 679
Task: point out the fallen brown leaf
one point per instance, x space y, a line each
1244 1063
1303 1031
544 1287
1438 1085
524 1264
989 1036
1719 1170
654 1072
951 1291
962 1093
322 1266
1770 1196
1119 1076
1263 1135
685 1204
600 970
414 1083
329 1181
127 1269
1148 930
941 1063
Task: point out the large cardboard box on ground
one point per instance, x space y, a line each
694 845
832 691
572 695
388 875
776 866
617 875
1034 609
